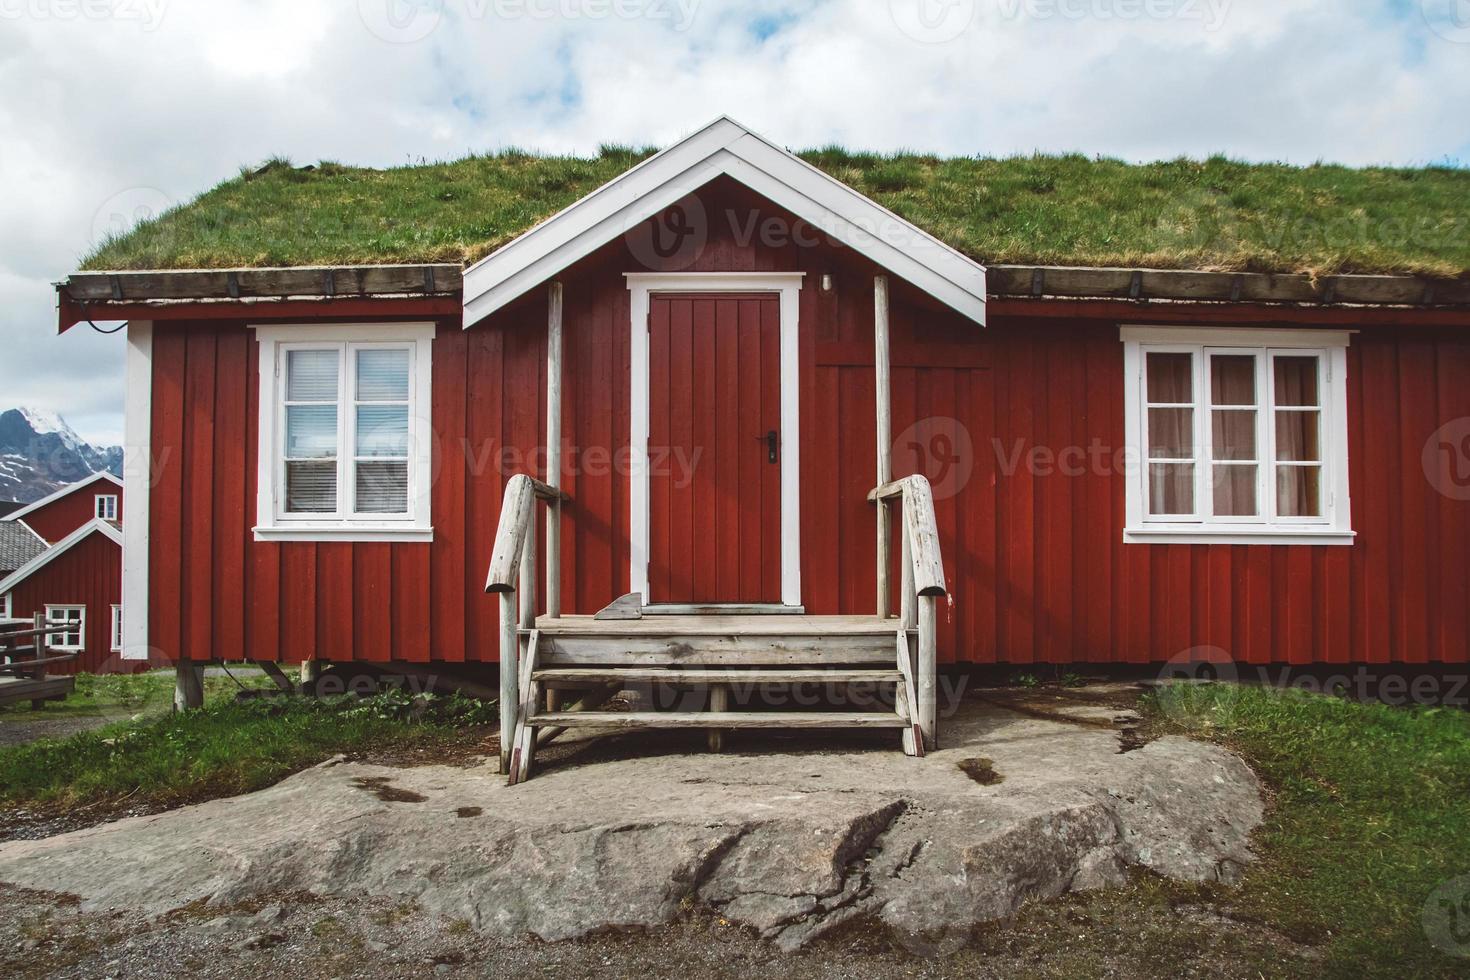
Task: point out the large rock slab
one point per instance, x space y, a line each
788 844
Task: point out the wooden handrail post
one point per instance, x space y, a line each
510 665
928 667
882 390
553 446
906 596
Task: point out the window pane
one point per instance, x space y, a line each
311 488
311 431
382 375
1170 378
1298 436
382 430
1170 433
1296 381
1235 491
311 376
382 488
1234 435
1171 488
1299 491
1233 379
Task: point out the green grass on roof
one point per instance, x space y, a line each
1214 214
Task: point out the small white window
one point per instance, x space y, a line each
345 432
107 506
1240 436
73 639
5 612
117 631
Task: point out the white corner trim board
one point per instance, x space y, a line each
725 148
788 286
137 487
416 524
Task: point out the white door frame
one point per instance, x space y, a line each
788 286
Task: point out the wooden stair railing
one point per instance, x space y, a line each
512 571
922 568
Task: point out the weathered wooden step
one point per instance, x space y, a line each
717 719
655 675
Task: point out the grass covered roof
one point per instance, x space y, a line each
1215 214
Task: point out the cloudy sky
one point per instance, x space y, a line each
115 108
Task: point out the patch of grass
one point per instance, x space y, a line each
227 747
1065 210
124 695
1371 814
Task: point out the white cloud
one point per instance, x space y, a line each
106 115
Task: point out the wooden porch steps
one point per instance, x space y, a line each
703 677
717 719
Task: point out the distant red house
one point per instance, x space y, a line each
73 572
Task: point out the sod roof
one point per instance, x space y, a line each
1215 214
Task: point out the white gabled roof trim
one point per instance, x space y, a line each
70 488
725 148
58 549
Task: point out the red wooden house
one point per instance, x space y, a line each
832 442
73 575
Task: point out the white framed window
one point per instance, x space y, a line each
5 613
106 506
345 432
73 639
1239 435
117 629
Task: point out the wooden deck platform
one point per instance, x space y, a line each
14 690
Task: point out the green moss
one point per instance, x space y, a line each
1064 210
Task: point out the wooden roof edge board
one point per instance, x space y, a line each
243 285
428 279
1240 287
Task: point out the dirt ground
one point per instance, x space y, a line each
1102 936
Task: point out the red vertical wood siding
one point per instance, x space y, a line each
70 511
89 574
1019 425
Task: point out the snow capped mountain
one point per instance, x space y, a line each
40 453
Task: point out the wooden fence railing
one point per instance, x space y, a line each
12 646
922 585
512 571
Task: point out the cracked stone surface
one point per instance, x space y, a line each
788 844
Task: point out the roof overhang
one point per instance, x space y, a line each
725 148
94 526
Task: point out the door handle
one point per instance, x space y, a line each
772 446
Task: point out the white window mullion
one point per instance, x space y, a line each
347 436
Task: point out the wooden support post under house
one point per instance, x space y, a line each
188 686
882 390
553 446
